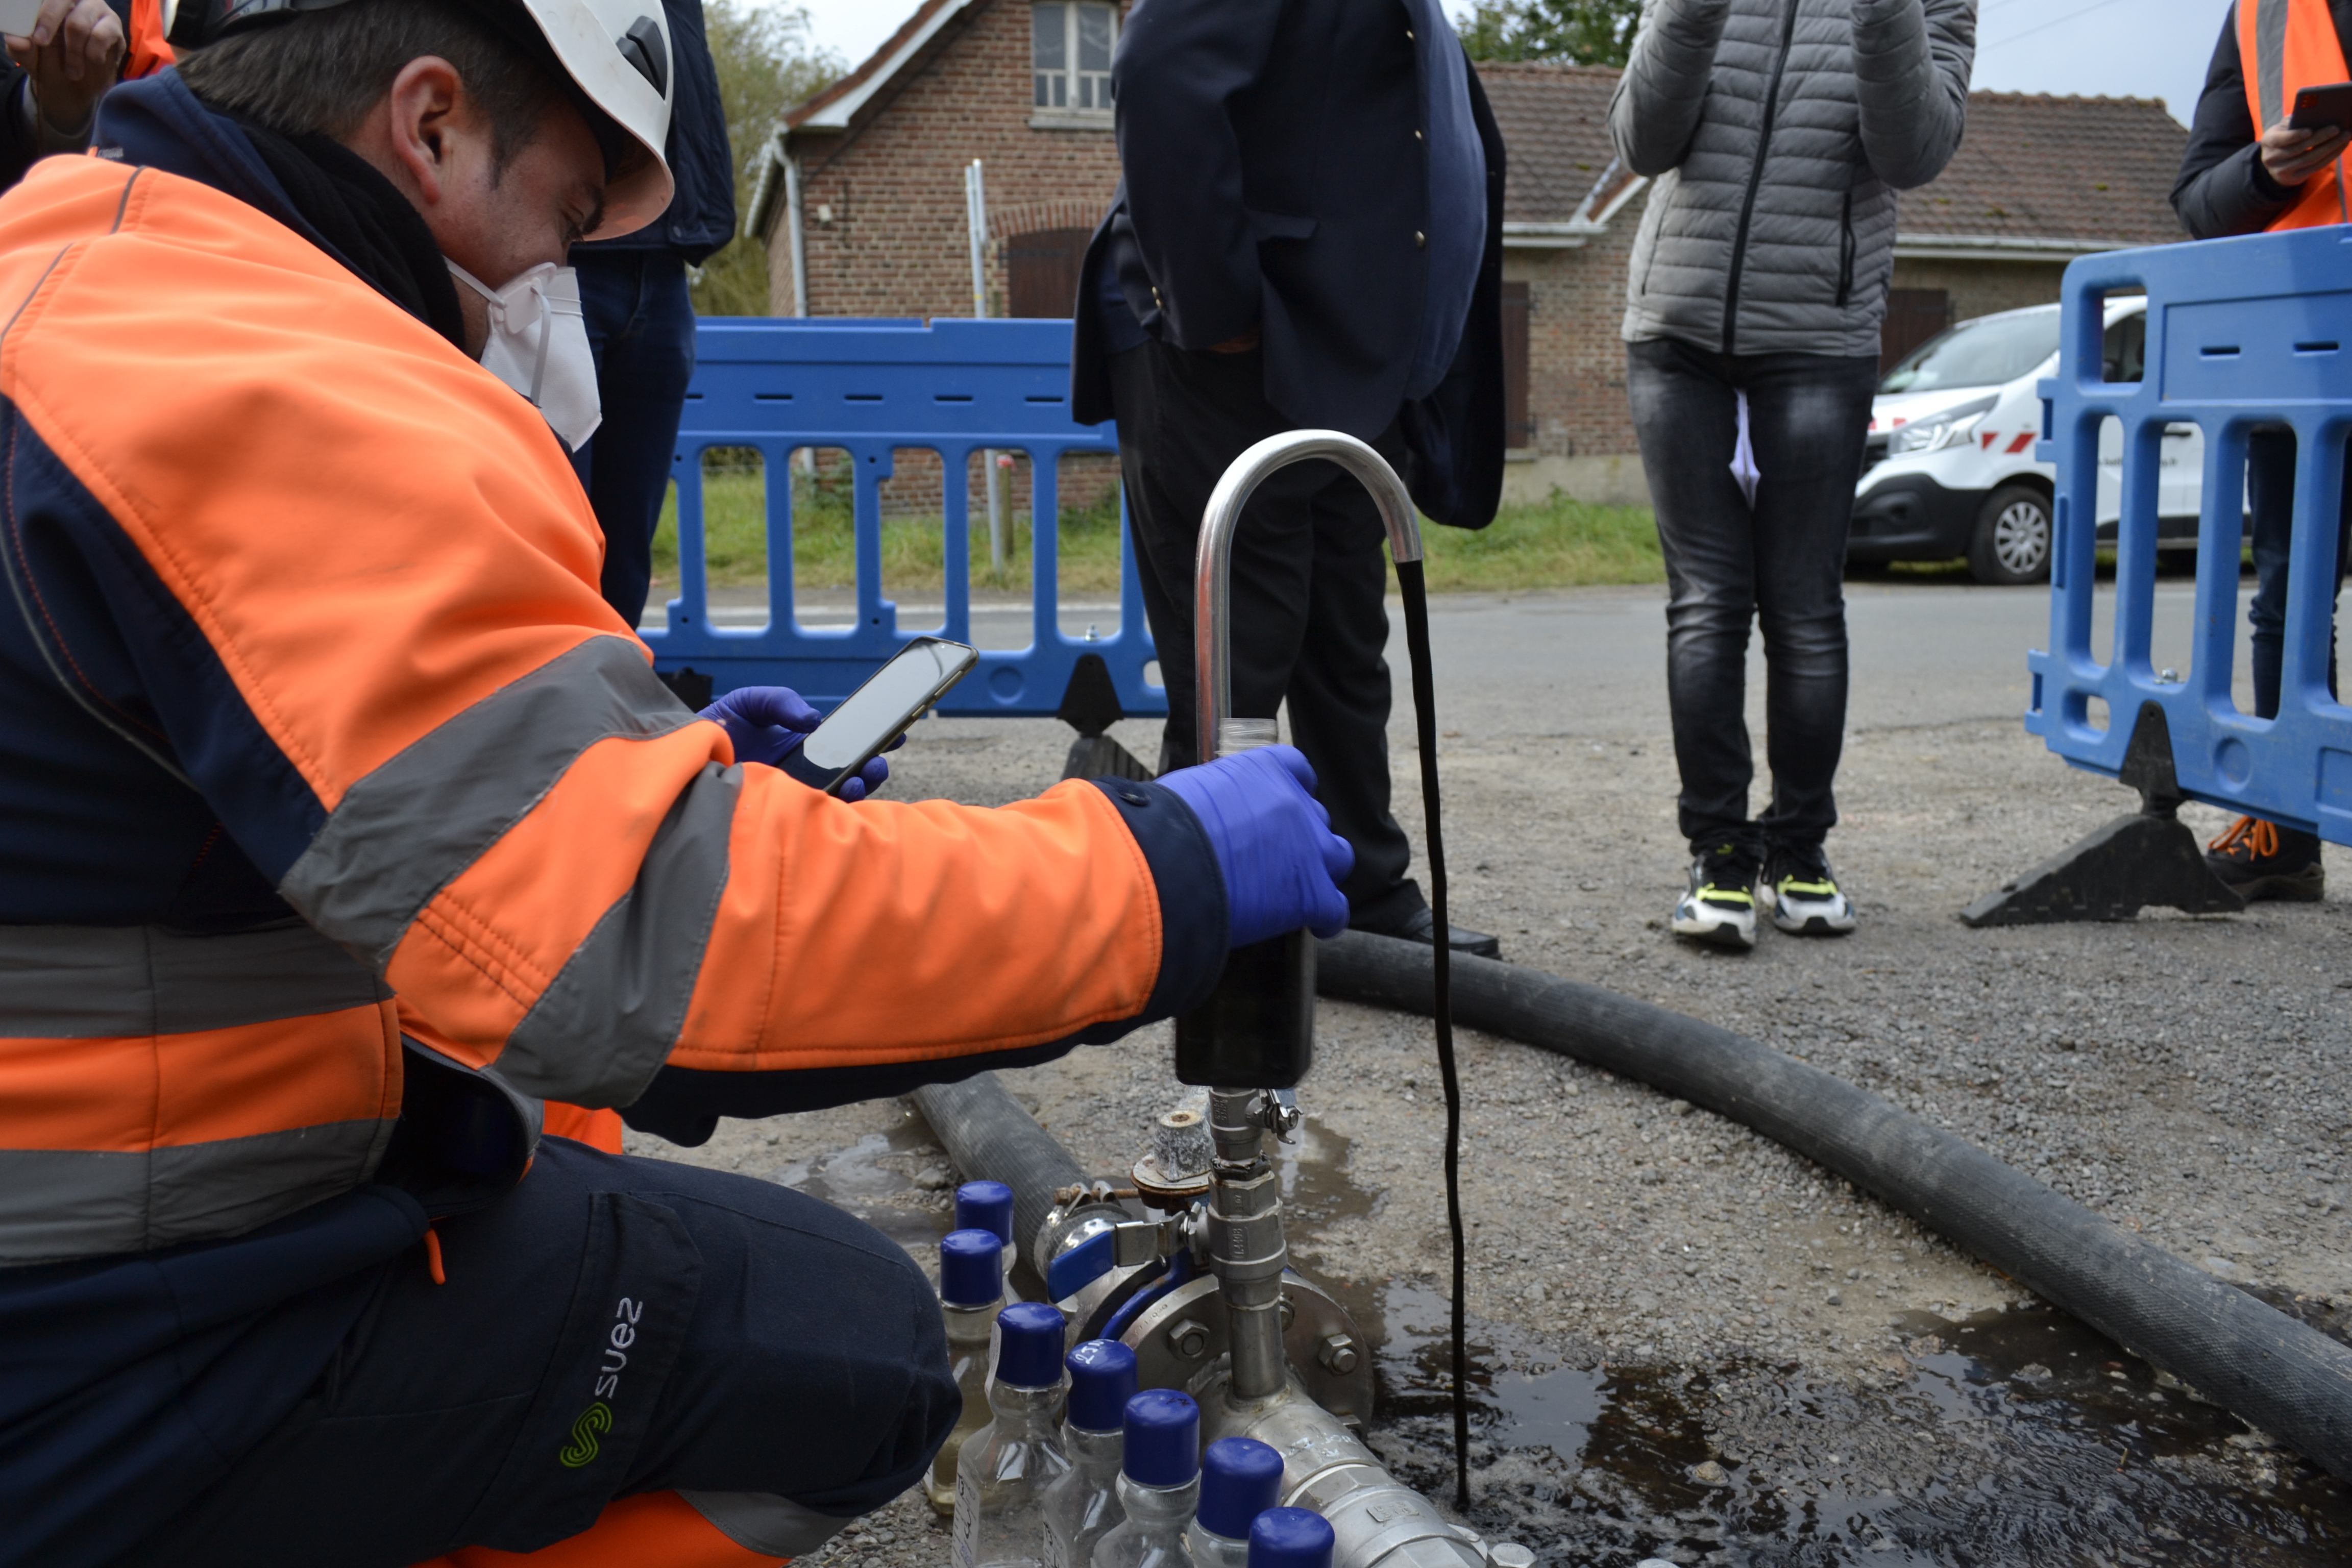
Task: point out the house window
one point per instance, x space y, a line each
1069 54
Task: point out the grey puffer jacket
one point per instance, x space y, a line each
1778 133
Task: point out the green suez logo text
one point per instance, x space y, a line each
598 1418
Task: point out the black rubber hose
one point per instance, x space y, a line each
990 1138
2272 1372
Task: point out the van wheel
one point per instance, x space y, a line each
2011 542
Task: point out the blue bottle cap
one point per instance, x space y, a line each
1163 1438
972 1267
1102 1380
1290 1537
1241 1478
985 1205
1029 1345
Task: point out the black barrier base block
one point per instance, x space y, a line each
2111 874
1100 757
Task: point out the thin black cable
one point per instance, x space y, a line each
1415 589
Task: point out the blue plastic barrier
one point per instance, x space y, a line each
868 387
2240 332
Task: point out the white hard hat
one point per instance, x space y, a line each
617 54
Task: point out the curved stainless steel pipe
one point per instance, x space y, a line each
1213 574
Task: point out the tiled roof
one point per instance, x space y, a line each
1555 125
2031 168
2035 167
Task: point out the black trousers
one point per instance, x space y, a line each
612 1326
1309 593
640 323
1730 565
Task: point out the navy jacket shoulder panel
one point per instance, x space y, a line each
121 733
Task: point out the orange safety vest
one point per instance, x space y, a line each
146 52
501 816
2284 46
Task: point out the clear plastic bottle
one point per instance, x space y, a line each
971 1287
1290 1537
1083 1504
988 1206
1159 1483
1241 1478
1005 1467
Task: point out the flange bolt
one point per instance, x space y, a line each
1189 1338
1338 1354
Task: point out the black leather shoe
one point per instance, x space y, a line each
1422 926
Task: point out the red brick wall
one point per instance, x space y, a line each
1576 361
896 245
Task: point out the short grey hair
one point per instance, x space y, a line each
320 72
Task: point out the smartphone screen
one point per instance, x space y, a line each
874 713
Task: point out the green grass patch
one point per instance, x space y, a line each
1560 543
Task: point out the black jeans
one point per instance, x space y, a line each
640 323
1782 561
2270 499
1309 593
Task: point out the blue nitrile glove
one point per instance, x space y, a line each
766 722
1272 840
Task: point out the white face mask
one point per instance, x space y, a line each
538 346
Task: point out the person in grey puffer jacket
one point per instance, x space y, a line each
1777 132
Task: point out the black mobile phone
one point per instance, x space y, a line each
2322 108
878 712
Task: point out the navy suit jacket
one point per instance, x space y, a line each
1272 179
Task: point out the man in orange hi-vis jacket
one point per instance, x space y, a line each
341 824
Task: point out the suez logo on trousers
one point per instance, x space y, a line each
598 1418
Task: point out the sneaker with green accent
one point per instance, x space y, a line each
1720 905
1803 894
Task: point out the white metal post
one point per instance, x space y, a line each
975 212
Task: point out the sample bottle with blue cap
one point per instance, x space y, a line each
1005 1467
1290 1537
1241 1478
988 1206
1159 1483
1083 1505
972 1289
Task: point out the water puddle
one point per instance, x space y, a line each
878 1180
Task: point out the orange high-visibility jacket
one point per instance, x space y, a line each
2284 46
281 560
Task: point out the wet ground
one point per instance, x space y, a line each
1659 1290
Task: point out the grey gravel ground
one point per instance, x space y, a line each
2187 1077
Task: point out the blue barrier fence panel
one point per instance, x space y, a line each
2240 333
871 389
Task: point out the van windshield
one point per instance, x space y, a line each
1986 352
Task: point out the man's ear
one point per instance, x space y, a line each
422 105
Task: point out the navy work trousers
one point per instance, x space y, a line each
1310 621
2270 498
611 1327
641 325
1730 565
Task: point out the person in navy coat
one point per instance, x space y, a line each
1307 234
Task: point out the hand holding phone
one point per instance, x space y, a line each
877 715
2311 137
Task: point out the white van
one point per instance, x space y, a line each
1949 468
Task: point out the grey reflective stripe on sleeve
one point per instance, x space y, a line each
86 982
603 1027
62 1203
405 831
2269 64
764 1522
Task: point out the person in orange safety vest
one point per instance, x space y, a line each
2247 171
342 827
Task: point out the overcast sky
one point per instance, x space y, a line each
2144 49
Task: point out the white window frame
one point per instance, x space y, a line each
1067 96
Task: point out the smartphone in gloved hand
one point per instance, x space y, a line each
870 718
